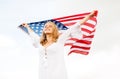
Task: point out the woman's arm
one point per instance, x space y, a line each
35 38
93 13
75 30
28 28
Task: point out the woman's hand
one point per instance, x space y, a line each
25 25
93 13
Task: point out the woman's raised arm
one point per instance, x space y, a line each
35 38
75 30
92 14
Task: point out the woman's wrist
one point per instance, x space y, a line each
27 26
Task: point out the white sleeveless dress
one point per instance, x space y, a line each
51 62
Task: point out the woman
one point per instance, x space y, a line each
51 48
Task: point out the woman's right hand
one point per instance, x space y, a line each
25 25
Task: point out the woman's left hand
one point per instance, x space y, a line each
93 13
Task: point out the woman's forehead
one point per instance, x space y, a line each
49 24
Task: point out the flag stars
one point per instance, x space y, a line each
42 24
40 31
36 31
32 27
37 27
41 28
37 24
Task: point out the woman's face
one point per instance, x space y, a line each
48 29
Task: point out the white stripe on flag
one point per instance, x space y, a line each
79 49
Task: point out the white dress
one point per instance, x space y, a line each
52 64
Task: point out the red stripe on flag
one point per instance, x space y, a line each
84 41
79 52
89 24
71 43
91 36
69 24
83 14
86 30
93 19
74 39
70 19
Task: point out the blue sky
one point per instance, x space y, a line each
19 59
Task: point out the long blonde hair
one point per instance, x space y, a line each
55 34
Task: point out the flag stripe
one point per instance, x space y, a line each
84 41
71 41
89 25
80 47
78 51
69 19
86 30
82 14
82 44
90 36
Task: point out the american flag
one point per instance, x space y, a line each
80 46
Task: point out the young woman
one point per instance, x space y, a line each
51 48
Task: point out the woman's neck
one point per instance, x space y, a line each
49 38
49 41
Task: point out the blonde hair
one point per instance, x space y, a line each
55 34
